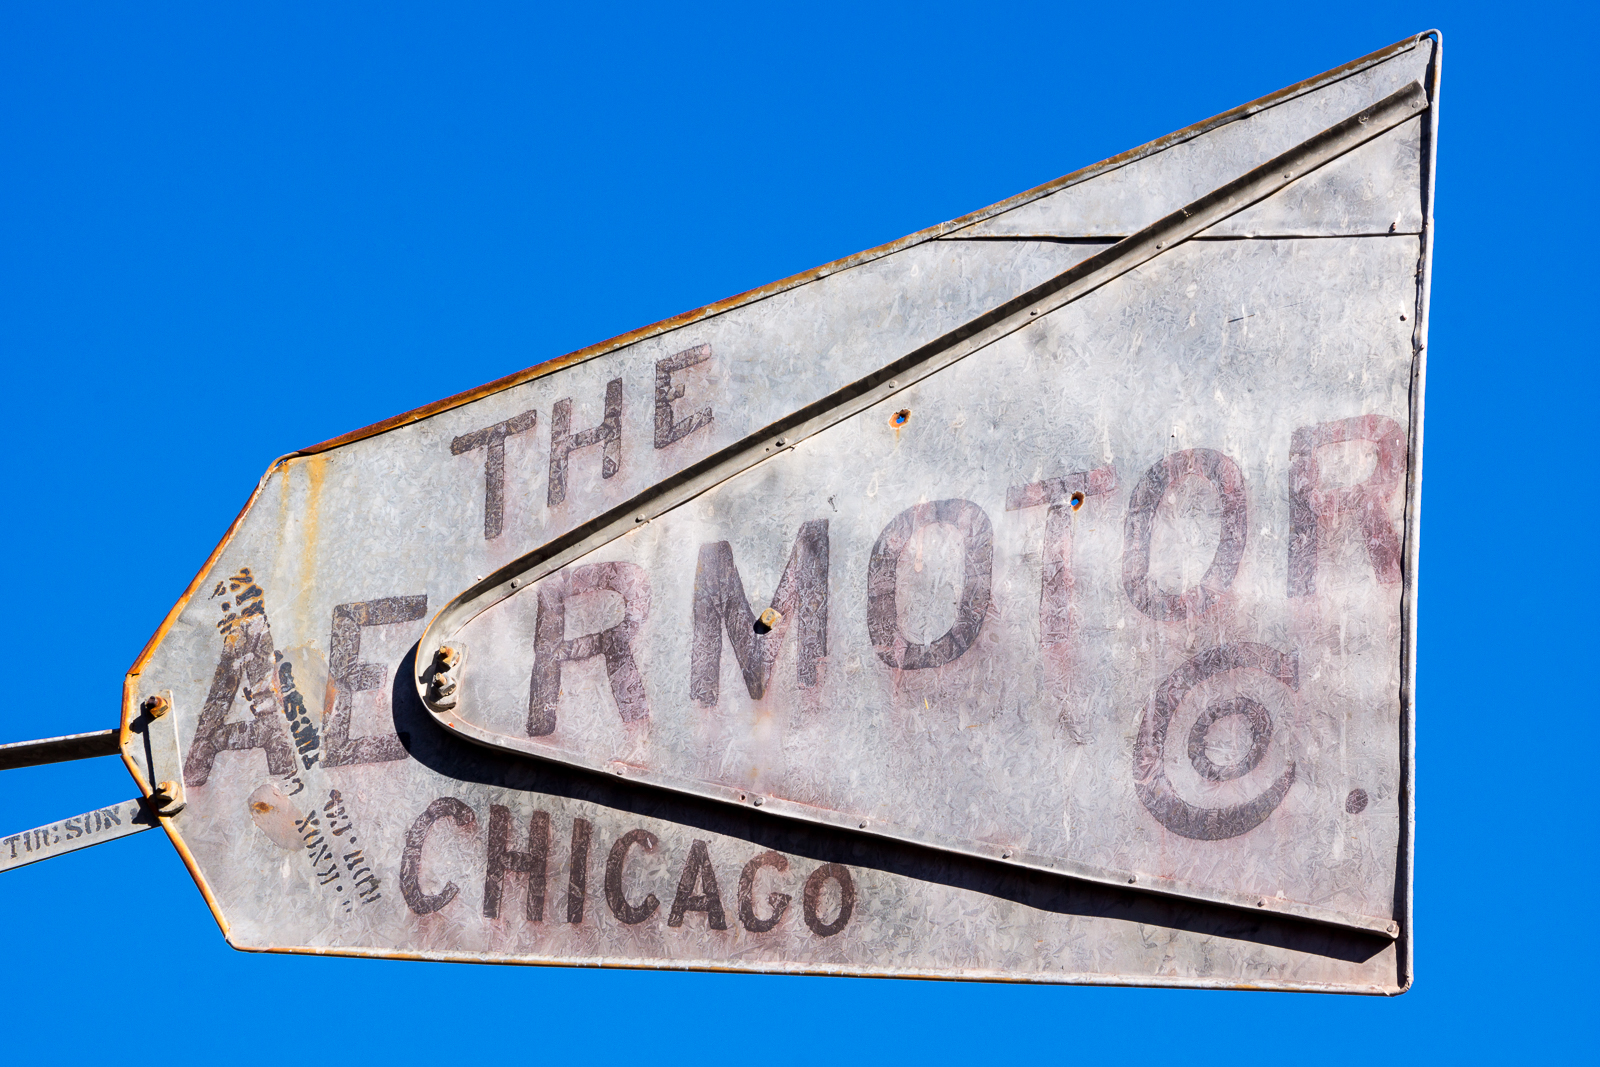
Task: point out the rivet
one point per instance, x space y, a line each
638 518
1132 878
863 825
758 801
782 441
1005 855
515 582
1261 903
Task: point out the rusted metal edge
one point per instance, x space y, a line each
951 974
751 296
58 749
1085 277
131 698
1411 555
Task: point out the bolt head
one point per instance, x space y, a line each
156 706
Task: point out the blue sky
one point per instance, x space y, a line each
227 234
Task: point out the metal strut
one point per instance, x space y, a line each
158 727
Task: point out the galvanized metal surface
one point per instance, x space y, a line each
497 717
328 812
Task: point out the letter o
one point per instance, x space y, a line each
812 898
977 566
1224 475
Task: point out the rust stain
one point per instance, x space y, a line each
316 472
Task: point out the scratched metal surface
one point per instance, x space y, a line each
1020 717
327 812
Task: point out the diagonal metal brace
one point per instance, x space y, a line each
156 732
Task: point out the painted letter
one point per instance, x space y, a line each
668 430
552 648
411 858
1314 508
628 913
977 565
349 676
1223 474
492 439
563 442
720 605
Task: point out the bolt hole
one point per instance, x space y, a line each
1077 501
901 417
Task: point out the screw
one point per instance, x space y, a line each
156 706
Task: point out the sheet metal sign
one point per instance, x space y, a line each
1032 598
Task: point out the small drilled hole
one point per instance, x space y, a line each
901 417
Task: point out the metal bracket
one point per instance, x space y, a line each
102 824
163 762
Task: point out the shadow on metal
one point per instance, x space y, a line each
432 746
